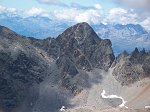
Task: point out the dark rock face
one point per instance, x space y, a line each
81 45
77 48
133 67
25 62
50 45
84 48
20 68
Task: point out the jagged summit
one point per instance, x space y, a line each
80 32
133 67
81 42
79 28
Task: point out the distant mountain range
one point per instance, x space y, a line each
123 37
39 27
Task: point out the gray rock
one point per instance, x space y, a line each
20 67
85 48
131 68
77 48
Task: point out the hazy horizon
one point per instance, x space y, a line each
93 12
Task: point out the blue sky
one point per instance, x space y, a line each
27 4
91 11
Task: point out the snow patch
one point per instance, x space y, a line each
62 109
114 96
147 107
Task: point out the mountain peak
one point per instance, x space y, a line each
81 32
87 49
83 23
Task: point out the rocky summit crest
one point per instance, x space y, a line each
81 32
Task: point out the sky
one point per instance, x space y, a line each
91 11
53 4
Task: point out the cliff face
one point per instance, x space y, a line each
129 68
86 49
25 62
20 67
81 45
77 49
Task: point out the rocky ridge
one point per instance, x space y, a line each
25 64
129 68
77 49
21 66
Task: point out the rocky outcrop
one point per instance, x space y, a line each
20 67
49 45
81 45
77 48
129 68
25 62
84 48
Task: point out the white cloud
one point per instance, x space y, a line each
95 15
77 13
8 10
34 11
146 23
2 9
90 15
137 3
98 6
66 14
11 10
120 15
140 7
117 11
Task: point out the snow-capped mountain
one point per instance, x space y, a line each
125 31
39 27
123 37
